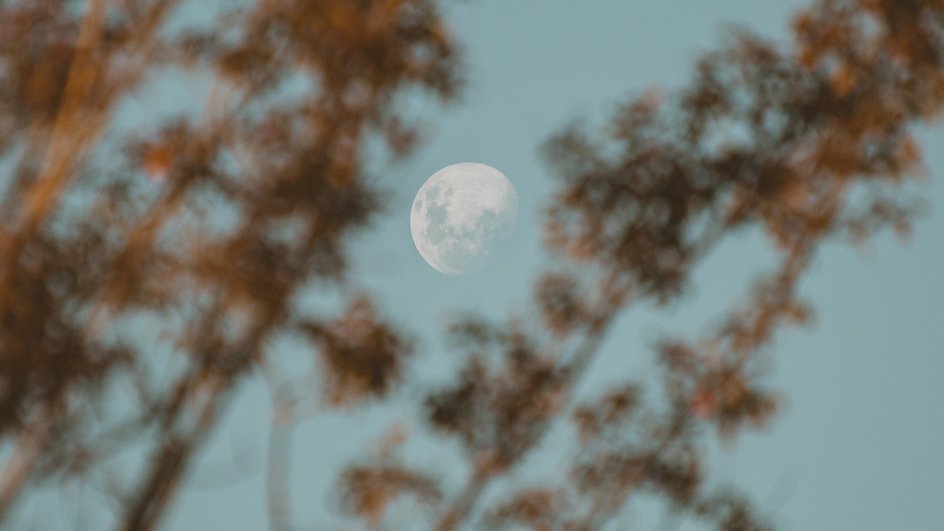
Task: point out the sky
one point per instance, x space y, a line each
857 445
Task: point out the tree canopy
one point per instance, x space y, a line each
208 228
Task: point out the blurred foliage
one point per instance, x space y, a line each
99 229
808 141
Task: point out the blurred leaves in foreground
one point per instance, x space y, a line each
144 275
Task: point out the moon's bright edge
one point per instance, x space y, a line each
460 214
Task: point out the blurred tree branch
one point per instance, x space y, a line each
134 238
208 228
765 136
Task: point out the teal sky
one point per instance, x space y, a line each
858 443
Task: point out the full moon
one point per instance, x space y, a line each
460 214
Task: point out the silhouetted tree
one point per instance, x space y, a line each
208 228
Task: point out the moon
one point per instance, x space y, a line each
460 214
